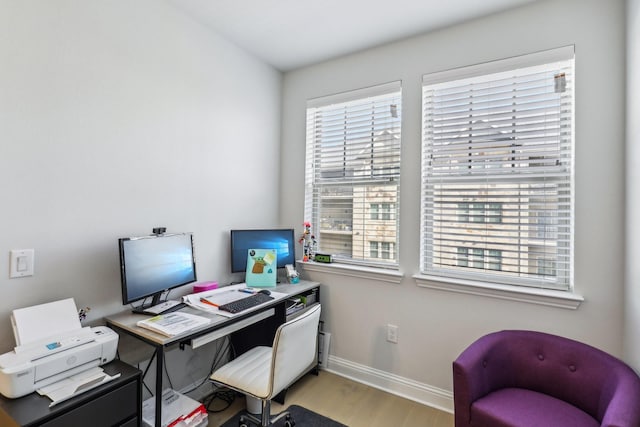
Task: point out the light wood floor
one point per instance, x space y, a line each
350 403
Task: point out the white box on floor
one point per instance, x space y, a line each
178 410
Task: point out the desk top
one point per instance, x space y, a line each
126 320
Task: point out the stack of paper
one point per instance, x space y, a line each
175 323
34 323
209 301
178 410
294 305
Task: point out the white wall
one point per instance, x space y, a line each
115 117
435 326
632 297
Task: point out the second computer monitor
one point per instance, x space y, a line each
280 239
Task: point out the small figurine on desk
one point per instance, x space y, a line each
308 242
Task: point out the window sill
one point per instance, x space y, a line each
548 297
379 274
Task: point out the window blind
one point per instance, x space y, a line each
497 172
352 178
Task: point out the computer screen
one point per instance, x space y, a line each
280 239
151 265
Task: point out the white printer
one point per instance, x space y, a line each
52 346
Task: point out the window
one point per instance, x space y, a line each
477 258
545 267
489 259
480 212
497 172
382 211
463 257
352 179
494 259
382 250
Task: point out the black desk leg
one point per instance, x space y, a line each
159 363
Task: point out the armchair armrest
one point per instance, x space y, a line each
622 406
476 372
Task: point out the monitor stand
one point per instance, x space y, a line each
158 306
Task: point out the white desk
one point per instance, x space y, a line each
248 329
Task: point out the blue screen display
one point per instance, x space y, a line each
153 264
281 240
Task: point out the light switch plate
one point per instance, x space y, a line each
21 263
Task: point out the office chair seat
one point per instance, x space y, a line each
263 372
249 372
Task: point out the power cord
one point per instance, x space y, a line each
215 361
222 394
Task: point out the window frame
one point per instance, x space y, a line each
565 284
385 178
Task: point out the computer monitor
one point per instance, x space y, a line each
152 265
280 239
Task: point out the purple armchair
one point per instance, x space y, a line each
534 379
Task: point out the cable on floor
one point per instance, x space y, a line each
224 396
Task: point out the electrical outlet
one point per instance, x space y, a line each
392 333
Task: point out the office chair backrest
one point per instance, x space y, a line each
294 348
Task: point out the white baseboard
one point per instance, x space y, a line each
394 384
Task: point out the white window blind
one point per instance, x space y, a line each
497 172
352 180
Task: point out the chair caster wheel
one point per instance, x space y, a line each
289 422
242 422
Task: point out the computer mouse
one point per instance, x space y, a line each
264 291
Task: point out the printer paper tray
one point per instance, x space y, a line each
75 384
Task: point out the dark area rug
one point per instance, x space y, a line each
303 418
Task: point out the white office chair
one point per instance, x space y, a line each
263 372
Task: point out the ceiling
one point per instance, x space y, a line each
289 34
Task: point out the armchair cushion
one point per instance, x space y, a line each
505 375
526 408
